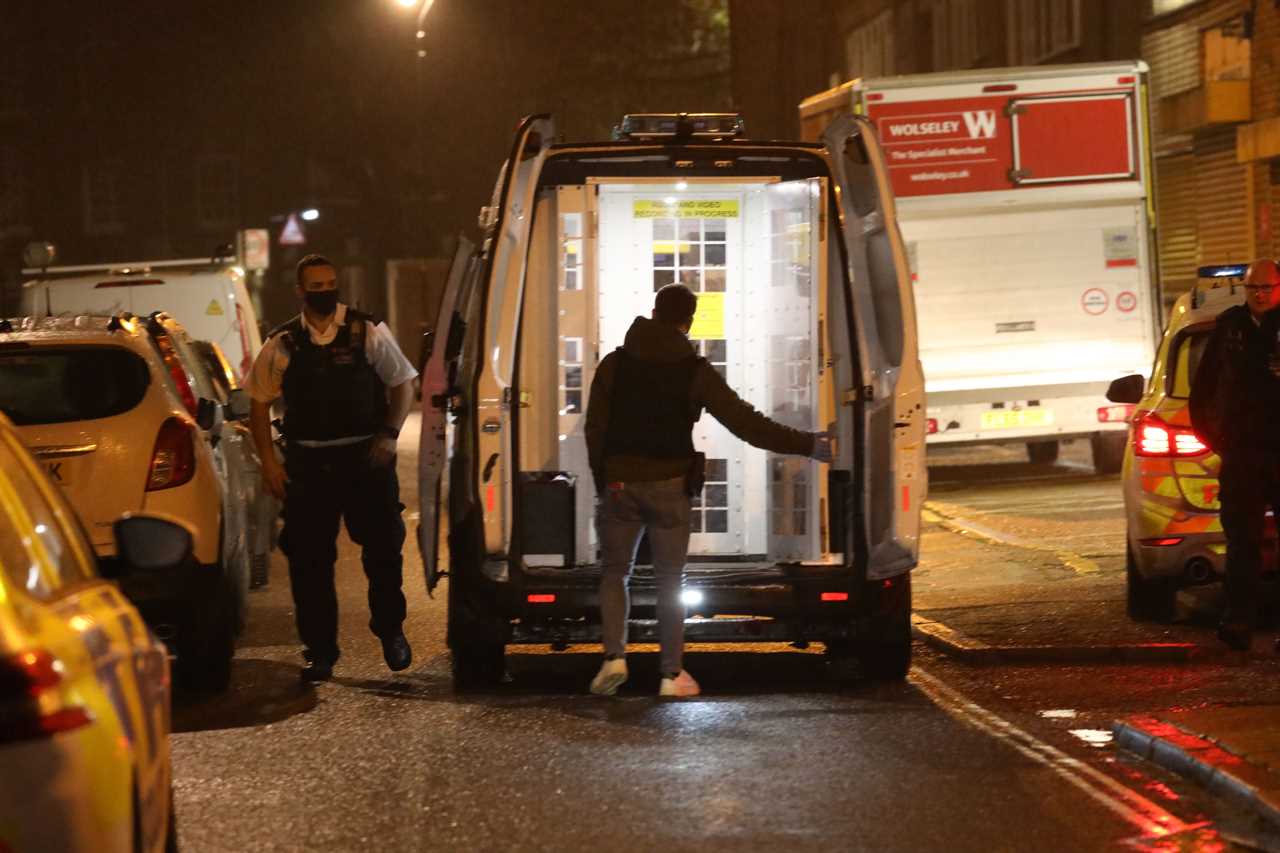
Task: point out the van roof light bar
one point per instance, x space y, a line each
680 126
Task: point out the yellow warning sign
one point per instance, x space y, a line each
708 321
705 208
214 309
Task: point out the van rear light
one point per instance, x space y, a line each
128 282
931 426
1152 436
1000 87
29 705
1163 541
542 598
1114 414
835 596
173 462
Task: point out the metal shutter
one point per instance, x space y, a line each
1222 198
1176 223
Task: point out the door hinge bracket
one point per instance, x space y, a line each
1013 108
865 394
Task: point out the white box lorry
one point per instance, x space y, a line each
1024 197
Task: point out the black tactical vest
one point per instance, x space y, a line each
330 391
651 413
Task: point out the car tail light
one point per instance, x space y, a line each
1114 414
29 704
542 598
1153 437
835 596
931 426
173 462
1163 541
178 372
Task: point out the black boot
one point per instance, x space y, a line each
396 652
317 668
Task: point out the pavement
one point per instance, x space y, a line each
1234 752
1014 574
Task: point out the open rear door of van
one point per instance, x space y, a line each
439 380
887 431
505 256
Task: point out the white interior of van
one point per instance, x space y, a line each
755 253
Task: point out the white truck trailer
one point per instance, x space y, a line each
1024 197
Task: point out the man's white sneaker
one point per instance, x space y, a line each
611 676
681 686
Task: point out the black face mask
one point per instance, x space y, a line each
322 302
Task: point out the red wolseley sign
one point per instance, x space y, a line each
1003 142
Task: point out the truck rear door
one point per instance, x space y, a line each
886 431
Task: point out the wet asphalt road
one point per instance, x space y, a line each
782 749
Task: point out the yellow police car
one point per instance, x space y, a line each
1170 476
84 685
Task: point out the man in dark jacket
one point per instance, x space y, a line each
1235 408
645 399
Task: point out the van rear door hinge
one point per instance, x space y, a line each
864 394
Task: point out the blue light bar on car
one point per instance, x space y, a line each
1223 271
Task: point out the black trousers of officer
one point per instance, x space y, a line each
1249 485
328 484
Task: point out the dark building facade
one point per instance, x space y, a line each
148 129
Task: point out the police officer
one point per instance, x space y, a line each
347 389
1235 408
645 399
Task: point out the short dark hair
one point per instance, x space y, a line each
312 260
675 305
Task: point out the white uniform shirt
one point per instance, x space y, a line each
265 381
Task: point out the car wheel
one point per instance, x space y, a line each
1108 451
1149 599
207 646
1042 452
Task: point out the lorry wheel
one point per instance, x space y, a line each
1149 599
1042 452
1108 451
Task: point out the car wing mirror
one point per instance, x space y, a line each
1127 389
237 407
150 543
206 414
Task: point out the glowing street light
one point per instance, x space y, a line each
310 214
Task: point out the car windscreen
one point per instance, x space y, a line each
1190 347
51 385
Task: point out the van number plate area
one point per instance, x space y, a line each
1011 418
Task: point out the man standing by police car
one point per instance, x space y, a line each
1235 408
347 390
645 399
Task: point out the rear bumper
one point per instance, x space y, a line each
750 606
1183 559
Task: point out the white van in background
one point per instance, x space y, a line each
208 297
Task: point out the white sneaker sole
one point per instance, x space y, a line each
608 685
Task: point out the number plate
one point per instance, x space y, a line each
59 470
1009 418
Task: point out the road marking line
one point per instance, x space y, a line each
1153 820
1078 563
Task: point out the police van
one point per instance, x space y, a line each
804 305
